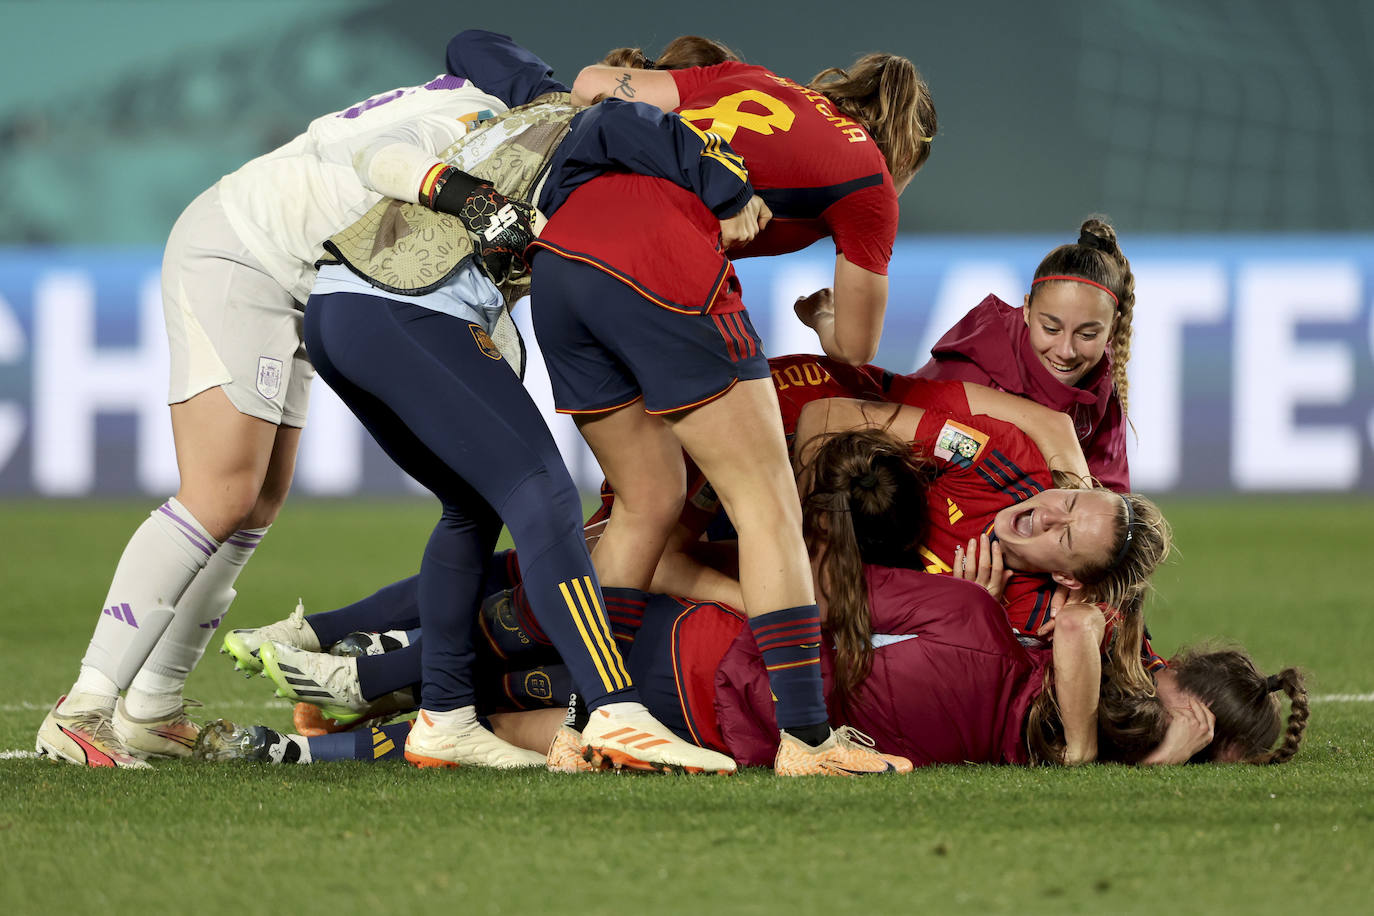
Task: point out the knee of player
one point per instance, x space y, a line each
221 509
765 507
545 497
1080 618
659 507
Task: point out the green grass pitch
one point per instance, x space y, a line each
1284 576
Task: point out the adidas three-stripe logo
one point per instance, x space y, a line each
122 613
303 684
632 738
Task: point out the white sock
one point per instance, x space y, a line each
277 752
91 691
156 690
160 560
304 744
454 719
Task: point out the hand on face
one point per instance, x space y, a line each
1192 726
981 564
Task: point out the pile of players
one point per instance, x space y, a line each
962 579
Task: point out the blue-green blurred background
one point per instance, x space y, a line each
1170 115
1229 143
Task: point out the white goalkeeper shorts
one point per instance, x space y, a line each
229 324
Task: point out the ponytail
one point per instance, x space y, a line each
866 503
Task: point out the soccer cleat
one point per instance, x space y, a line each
244 645
169 736
429 745
311 721
642 743
847 752
222 740
356 645
86 738
565 753
328 681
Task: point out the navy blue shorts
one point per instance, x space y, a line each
605 345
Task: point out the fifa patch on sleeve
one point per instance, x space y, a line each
958 444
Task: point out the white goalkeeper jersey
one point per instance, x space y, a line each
285 204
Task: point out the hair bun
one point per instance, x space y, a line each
1089 240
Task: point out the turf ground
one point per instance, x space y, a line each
1283 576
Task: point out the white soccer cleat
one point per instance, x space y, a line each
169 736
430 745
244 645
327 681
86 738
641 742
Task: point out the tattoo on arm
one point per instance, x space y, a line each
623 87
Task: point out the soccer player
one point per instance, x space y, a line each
925 664
649 346
238 267
1067 346
994 486
409 364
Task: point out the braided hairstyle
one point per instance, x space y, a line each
865 503
679 54
1097 256
1249 717
886 94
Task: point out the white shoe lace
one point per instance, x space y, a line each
99 726
847 734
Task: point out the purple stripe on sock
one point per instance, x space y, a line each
107 611
246 545
114 612
192 535
129 616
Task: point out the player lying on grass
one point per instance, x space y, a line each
799 379
936 676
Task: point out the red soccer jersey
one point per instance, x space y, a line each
802 378
985 466
819 171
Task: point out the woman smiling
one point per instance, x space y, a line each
1066 347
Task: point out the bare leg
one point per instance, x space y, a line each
223 457
749 469
642 460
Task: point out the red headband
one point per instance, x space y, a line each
1104 289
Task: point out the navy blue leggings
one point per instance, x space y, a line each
459 421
